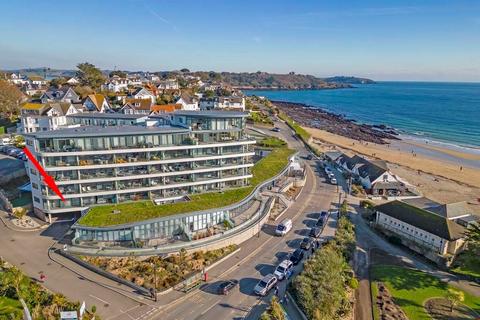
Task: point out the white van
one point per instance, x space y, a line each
284 227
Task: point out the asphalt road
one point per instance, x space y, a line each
261 254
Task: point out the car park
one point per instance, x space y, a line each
297 256
227 286
282 269
315 232
306 243
265 285
284 227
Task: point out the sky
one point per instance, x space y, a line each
384 40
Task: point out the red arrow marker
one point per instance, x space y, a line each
48 179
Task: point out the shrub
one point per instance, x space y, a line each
367 204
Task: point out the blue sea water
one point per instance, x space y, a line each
446 112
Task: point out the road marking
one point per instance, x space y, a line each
123 312
95 297
209 308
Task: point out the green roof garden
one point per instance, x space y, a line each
129 212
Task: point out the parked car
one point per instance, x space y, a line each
333 181
276 129
284 227
282 269
20 155
315 232
227 286
309 156
306 243
14 152
331 175
323 214
328 170
297 256
265 285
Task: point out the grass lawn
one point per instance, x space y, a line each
9 306
411 289
272 142
467 264
266 168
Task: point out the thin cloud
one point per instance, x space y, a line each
159 17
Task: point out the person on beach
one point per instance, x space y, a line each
461 168
276 290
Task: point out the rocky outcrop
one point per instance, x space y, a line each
314 117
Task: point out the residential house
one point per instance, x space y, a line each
168 84
37 80
96 103
375 176
36 117
32 89
116 84
142 93
208 103
17 79
188 102
236 103
165 108
421 229
136 106
62 94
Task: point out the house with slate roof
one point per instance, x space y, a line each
62 94
421 228
375 176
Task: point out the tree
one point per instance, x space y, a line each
473 240
10 99
20 213
274 311
209 94
119 73
83 91
90 76
58 82
455 297
185 70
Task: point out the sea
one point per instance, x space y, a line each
444 113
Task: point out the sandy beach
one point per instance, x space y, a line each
441 174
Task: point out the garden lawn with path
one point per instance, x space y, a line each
266 168
411 289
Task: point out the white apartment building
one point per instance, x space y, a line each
159 159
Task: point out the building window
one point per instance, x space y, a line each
34 185
33 171
36 199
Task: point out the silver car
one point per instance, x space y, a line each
265 285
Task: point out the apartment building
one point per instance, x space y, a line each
161 159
